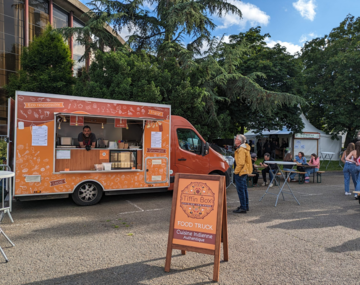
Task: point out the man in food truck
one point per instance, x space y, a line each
87 138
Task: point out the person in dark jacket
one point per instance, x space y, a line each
259 148
255 171
267 147
269 168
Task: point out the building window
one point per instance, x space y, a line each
38 17
78 52
11 37
61 18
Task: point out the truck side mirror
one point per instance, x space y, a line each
205 149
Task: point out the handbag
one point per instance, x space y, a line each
300 168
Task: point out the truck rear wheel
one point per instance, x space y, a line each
87 194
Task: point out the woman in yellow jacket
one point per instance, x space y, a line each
243 168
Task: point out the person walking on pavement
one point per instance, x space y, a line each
243 168
355 155
349 168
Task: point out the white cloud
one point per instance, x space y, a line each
148 6
205 47
290 47
308 37
251 14
125 33
306 8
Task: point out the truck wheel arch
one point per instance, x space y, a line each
219 172
89 180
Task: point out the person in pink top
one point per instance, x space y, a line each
314 161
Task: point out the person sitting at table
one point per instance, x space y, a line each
268 168
255 171
300 159
314 161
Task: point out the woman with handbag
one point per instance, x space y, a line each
300 159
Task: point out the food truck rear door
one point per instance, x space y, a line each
156 170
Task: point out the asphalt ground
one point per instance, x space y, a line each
123 240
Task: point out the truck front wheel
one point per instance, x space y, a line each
87 194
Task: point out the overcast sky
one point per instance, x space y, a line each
289 22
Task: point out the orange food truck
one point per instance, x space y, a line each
134 147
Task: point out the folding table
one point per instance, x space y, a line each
326 154
285 175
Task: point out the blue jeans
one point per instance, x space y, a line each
241 187
310 171
292 175
271 173
357 172
349 170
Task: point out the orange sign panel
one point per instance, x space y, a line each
198 217
44 105
195 218
104 155
120 123
76 120
156 113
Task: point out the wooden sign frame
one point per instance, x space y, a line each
221 223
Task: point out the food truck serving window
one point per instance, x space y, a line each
85 143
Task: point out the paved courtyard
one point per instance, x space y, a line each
123 240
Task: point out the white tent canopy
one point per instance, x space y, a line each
305 143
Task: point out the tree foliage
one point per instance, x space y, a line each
275 70
332 74
46 66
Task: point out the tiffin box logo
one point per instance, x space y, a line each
197 200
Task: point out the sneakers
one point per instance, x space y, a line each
271 185
264 184
347 193
356 196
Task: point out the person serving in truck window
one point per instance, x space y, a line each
86 138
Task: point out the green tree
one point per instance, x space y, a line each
140 77
46 66
211 79
274 69
156 30
332 74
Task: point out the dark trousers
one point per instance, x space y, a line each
267 170
256 178
241 188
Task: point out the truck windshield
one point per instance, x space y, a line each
188 140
